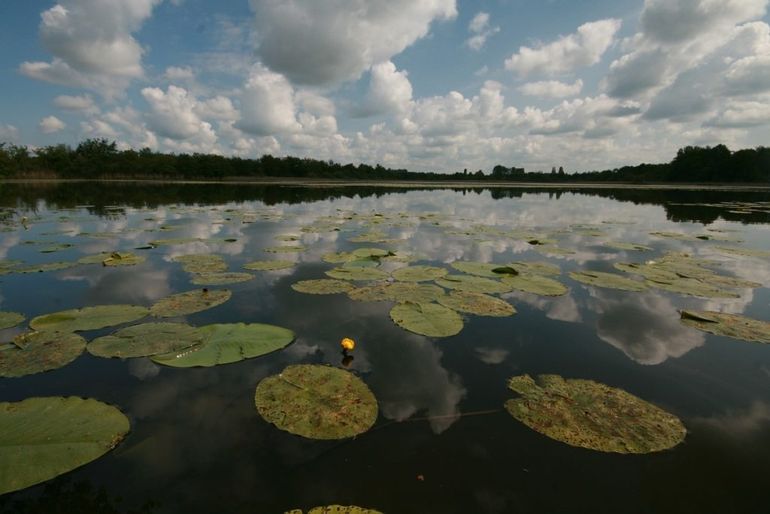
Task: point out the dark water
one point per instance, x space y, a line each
442 443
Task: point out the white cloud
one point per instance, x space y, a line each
390 91
480 30
179 73
267 104
74 103
217 108
552 89
568 53
741 114
51 124
8 133
316 43
172 113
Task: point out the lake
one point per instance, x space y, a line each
443 440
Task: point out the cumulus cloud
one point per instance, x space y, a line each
8 133
267 104
740 114
74 103
480 30
319 43
389 91
552 89
568 53
51 124
179 73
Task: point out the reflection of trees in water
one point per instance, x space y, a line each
65 497
680 205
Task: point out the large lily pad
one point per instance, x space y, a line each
317 402
146 340
10 319
41 438
189 302
202 263
743 252
273 265
692 287
220 279
225 343
48 266
730 325
36 352
473 284
419 273
322 286
535 284
397 292
591 415
285 249
112 259
427 319
622 245
481 269
477 303
88 318
608 280
336 509
357 273
535 268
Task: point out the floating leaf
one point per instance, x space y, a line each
608 280
591 415
36 352
202 263
10 319
145 340
56 247
428 319
322 286
553 250
48 266
674 235
285 249
419 273
744 252
336 509
535 284
620 245
220 279
317 402
225 343
692 287
268 265
189 302
397 292
536 268
357 273
176 241
730 325
42 438
88 318
473 284
477 303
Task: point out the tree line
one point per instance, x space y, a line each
100 158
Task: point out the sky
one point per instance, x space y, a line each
427 85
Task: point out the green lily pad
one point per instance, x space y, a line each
477 303
10 319
608 280
202 263
730 325
48 266
357 273
535 284
56 247
743 252
220 279
553 250
371 237
225 343
268 265
535 268
336 509
591 415
620 245
285 249
473 284
88 318
189 302
427 319
317 402
419 273
674 235
322 286
691 287
42 438
397 292
36 352
145 340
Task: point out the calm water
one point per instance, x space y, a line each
197 443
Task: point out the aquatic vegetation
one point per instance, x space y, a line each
535 268
730 325
608 280
189 302
592 415
317 402
322 286
419 273
427 319
220 279
113 259
88 318
145 340
476 303
357 273
397 292
473 284
285 249
274 265
36 352
743 252
535 284
620 245
42 438
10 319
202 263
336 509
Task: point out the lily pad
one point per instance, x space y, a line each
692 287
317 402
268 265
608 280
202 263
427 319
285 249
743 252
336 509
477 303
88 318
42 438
397 292
10 319
535 284
419 273
621 245
189 302
220 279
536 268
357 273
36 352
225 343
730 325
473 284
322 286
145 340
591 415
48 266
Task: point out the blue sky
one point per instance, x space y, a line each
423 84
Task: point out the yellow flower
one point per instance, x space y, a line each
348 344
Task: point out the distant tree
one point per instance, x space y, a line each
561 170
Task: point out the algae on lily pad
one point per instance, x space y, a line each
317 402
322 286
477 303
146 340
42 438
535 284
88 318
473 284
592 415
427 319
202 263
272 265
10 319
336 509
608 280
36 352
397 292
220 279
224 343
189 302
419 273
730 325
357 273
